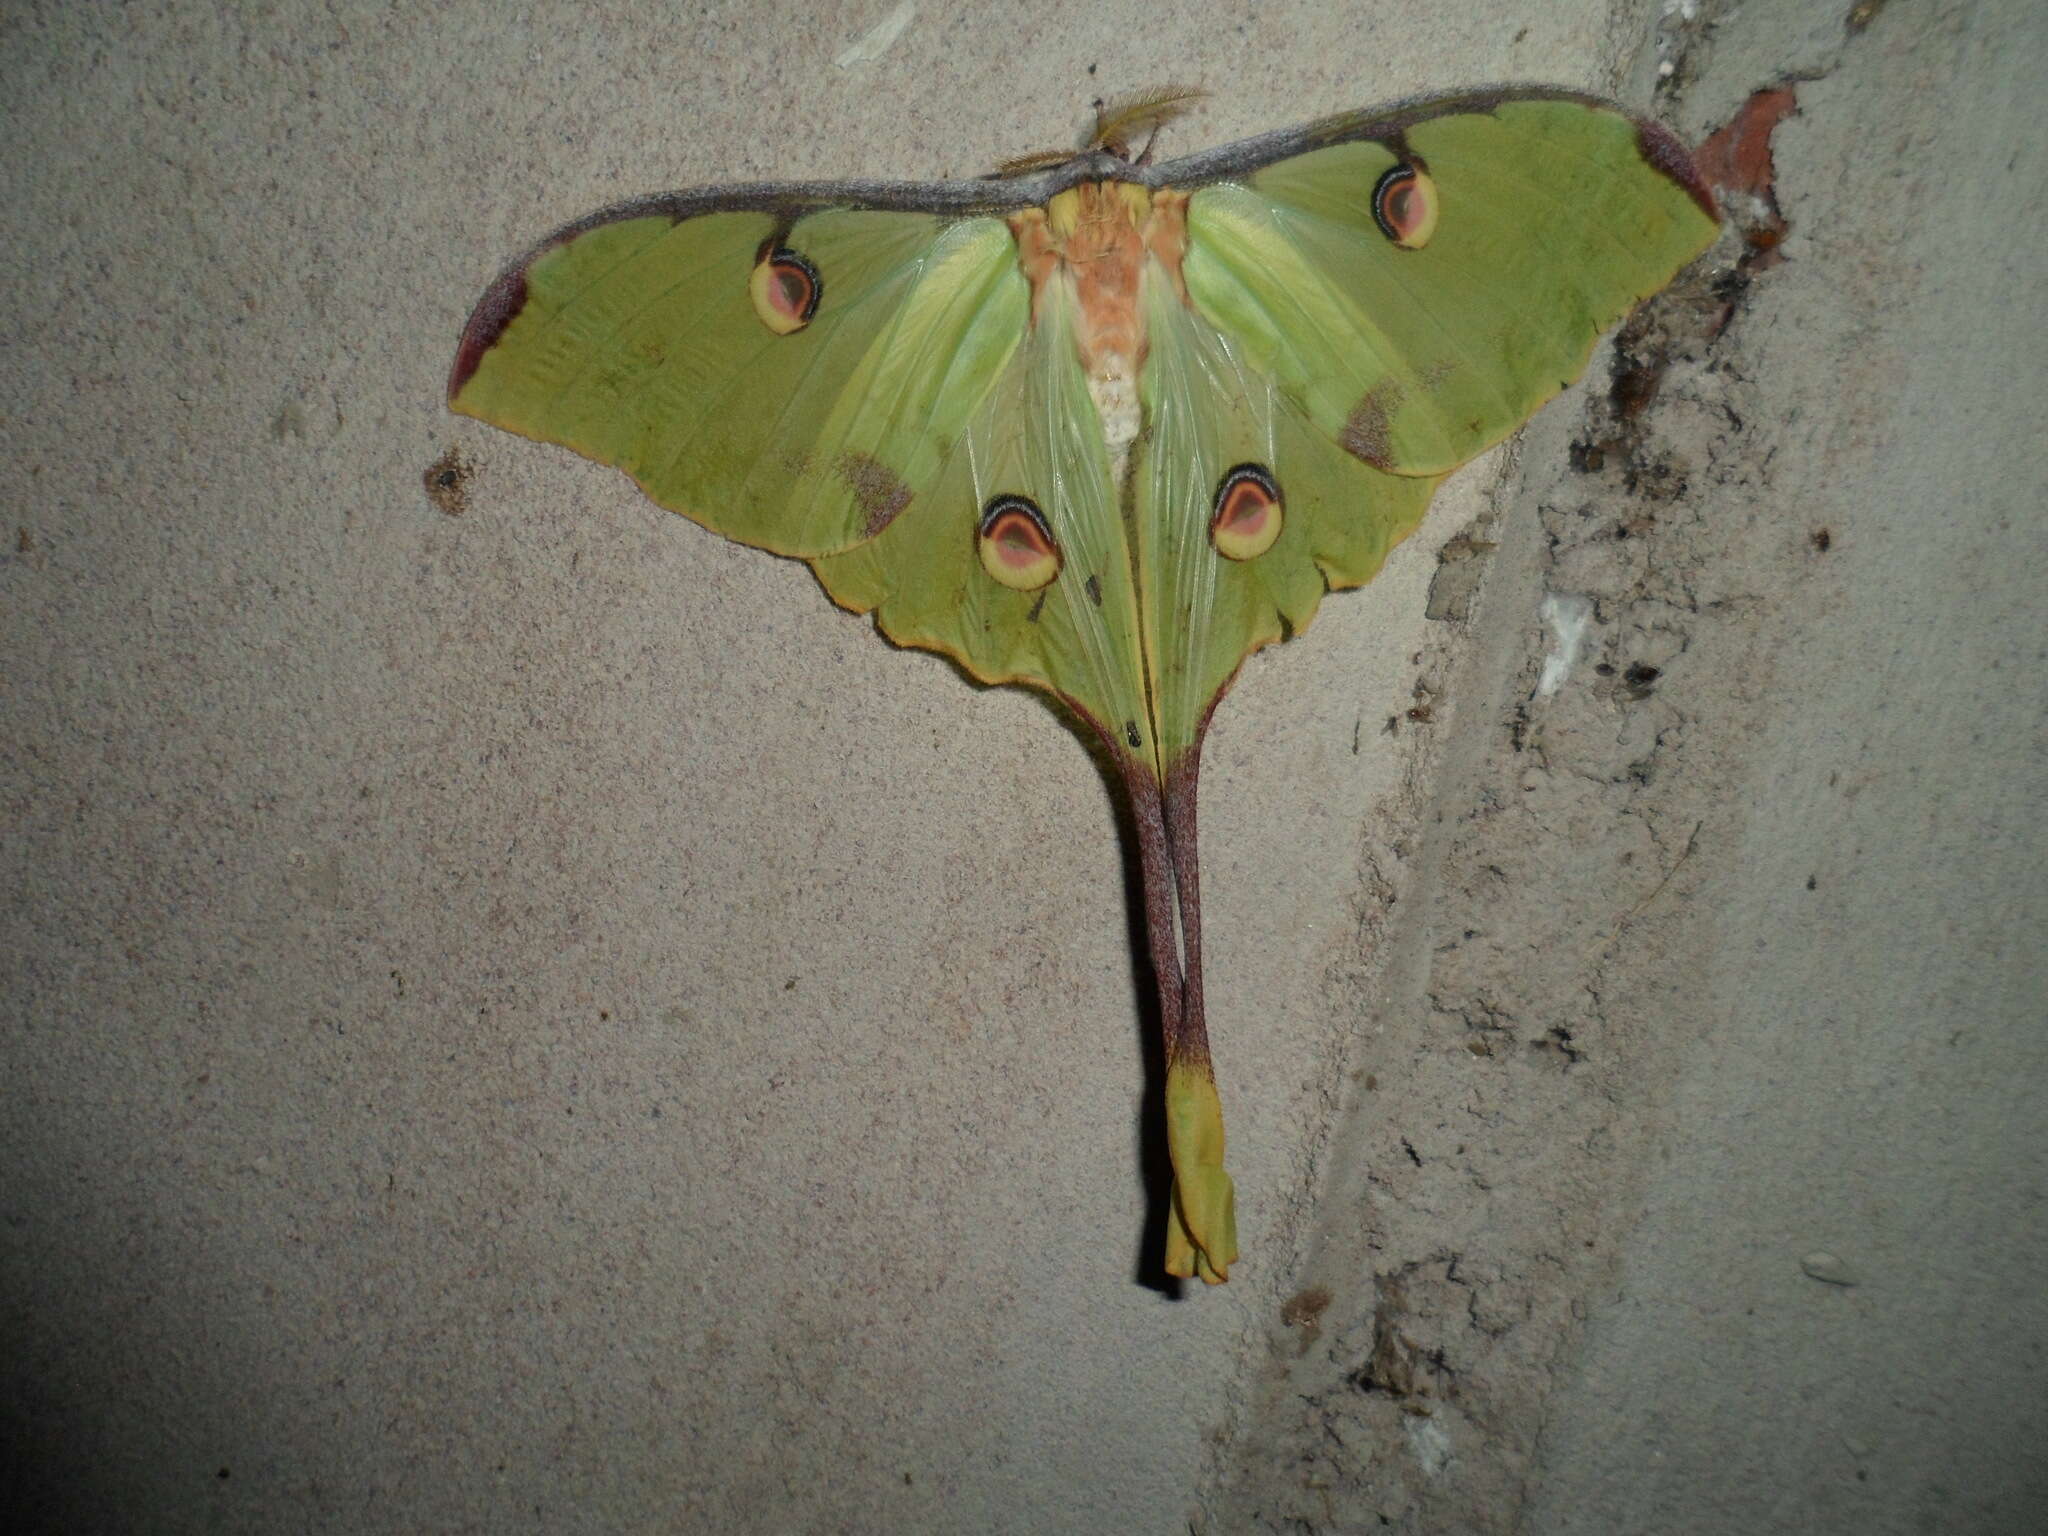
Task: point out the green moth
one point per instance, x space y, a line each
1100 426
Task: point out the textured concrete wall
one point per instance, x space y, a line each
533 1020
1715 1015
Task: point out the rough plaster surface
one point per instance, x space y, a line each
1726 983
528 1018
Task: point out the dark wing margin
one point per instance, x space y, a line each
1387 124
788 201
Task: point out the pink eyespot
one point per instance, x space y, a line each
1404 206
785 289
1248 513
1017 548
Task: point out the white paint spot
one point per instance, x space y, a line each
1567 618
878 39
1431 1446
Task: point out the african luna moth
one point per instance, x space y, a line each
1100 426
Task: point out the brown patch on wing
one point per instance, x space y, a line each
877 490
1366 434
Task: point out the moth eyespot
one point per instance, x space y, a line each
785 290
1404 206
1248 513
1017 547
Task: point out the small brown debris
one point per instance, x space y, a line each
1305 1306
447 483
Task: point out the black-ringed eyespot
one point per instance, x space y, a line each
1404 206
1248 513
785 289
1016 544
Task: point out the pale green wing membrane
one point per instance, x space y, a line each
1420 296
862 375
1360 318
1242 514
1037 440
1245 513
793 384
